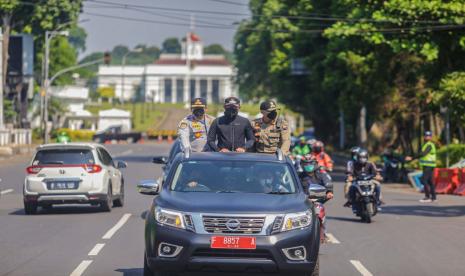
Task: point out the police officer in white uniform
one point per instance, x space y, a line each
193 129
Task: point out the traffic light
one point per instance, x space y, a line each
107 58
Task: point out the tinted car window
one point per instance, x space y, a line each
64 157
105 157
233 176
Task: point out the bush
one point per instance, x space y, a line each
456 153
74 135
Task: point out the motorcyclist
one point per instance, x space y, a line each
302 148
313 175
324 160
363 166
349 167
63 137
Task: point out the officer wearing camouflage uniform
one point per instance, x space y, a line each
271 132
193 129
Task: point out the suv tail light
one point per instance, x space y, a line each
92 168
33 169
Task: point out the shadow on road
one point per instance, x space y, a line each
131 271
61 210
348 219
425 210
143 215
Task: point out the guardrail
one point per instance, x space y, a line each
15 137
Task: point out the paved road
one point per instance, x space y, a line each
406 239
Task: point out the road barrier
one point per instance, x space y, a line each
461 186
15 137
446 180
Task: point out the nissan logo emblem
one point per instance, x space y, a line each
233 224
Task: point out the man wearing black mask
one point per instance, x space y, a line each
271 132
193 129
233 132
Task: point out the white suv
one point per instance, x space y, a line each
73 173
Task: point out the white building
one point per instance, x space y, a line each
174 78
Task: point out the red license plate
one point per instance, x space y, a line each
229 242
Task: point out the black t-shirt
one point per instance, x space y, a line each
230 133
359 169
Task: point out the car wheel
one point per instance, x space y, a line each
119 202
147 271
107 204
30 208
316 270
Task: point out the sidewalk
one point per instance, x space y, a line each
16 153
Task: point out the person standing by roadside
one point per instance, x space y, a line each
193 129
233 132
427 158
271 132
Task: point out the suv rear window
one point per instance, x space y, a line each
64 157
234 177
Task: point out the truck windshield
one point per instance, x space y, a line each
64 157
233 177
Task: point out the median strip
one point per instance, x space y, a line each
117 226
361 268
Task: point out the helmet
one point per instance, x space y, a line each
311 142
354 151
310 165
302 140
362 156
317 147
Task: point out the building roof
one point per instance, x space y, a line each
202 62
114 112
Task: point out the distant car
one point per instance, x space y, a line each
230 212
73 173
116 133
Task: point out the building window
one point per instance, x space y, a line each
203 89
192 88
168 90
180 90
215 91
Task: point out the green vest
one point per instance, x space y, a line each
429 160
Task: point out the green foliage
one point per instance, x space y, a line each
106 92
171 46
451 94
77 38
456 154
387 56
74 135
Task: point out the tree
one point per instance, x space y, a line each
77 38
171 46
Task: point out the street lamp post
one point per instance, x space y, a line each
2 126
123 65
46 83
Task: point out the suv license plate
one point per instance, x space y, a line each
62 185
229 242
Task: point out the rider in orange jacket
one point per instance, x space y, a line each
324 160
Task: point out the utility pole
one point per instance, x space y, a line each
2 123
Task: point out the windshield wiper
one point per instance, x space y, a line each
278 193
54 163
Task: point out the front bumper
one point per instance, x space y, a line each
75 198
196 255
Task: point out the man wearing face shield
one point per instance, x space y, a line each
230 132
193 129
271 132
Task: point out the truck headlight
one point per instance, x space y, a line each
170 218
297 220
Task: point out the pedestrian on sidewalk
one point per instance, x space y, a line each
427 158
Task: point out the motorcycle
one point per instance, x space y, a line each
364 203
317 193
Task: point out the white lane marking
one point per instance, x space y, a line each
332 238
117 226
362 269
96 249
81 268
4 192
127 152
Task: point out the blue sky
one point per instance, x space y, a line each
105 33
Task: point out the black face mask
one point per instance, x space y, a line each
198 112
231 112
272 115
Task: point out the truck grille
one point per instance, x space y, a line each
233 225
